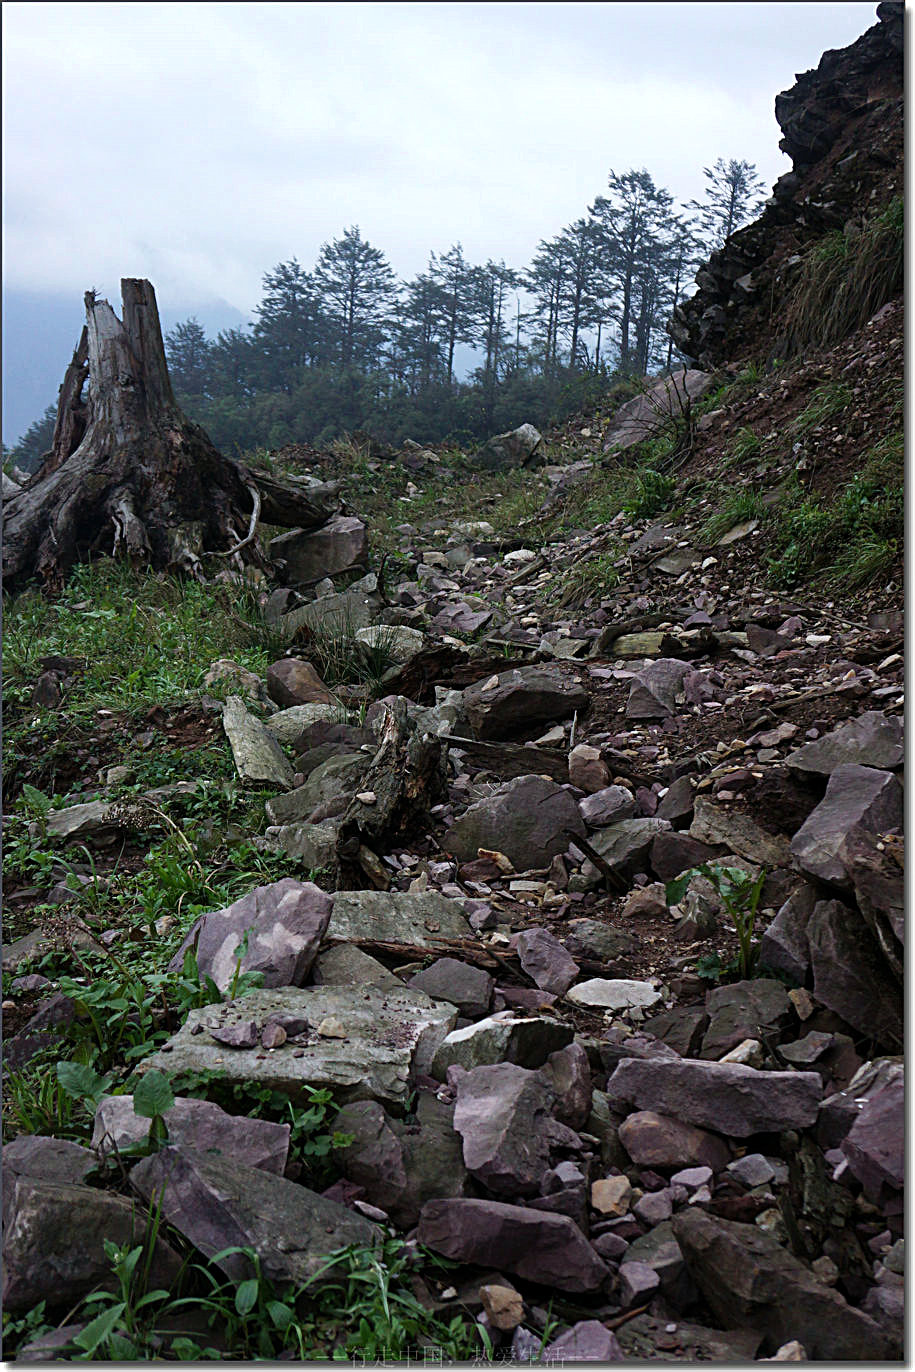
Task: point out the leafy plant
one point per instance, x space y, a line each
739 893
653 494
152 1098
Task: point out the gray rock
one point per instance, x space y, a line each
783 946
586 1341
659 1251
840 1110
744 1010
752 1170
198 1124
748 1278
607 806
739 834
528 1042
333 614
678 803
733 1100
615 995
390 1036
259 759
279 928
512 449
654 1207
294 681
216 1203
423 919
591 938
398 641
287 726
872 740
655 689
680 1028
503 1115
469 988
625 845
638 1283
315 845
855 795
568 1075
849 975
100 820
654 1140
45 1159
401 1166
527 821
651 410
672 853
334 780
520 697
875 1144
54 1243
548 1249
343 964
544 959
40 1032
310 554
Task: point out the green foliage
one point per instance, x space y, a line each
735 509
589 579
36 1102
653 494
152 1097
739 893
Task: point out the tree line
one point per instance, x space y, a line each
345 346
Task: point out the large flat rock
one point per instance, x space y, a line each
388 1037
425 919
730 1099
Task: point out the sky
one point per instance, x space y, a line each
200 144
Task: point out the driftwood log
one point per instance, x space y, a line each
129 473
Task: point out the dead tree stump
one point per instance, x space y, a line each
128 472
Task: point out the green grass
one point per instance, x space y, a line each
736 509
827 402
590 579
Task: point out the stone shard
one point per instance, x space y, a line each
278 927
259 759
547 1249
740 1011
732 1100
544 959
527 1041
849 975
329 786
294 681
625 845
586 1341
739 834
422 919
874 739
468 988
615 995
528 820
199 1124
655 689
855 795
54 1243
783 946
607 806
875 1144
748 1278
521 697
389 1038
217 1203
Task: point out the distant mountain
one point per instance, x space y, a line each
40 332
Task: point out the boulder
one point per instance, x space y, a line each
875 1144
343 964
730 1099
783 946
655 689
44 1159
626 844
333 614
654 1140
199 1124
218 1203
748 1278
519 698
388 1038
740 1011
849 975
545 960
527 820
652 409
397 641
855 795
335 547
607 806
503 1115
527 1041
874 739
334 781
401 1166
287 726
278 929
294 681
422 919
469 988
315 845
513 449
259 759
54 1243
547 1249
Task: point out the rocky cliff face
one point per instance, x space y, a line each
843 129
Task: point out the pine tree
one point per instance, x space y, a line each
455 278
732 197
188 354
357 287
633 224
288 325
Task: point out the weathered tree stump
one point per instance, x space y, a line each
129 472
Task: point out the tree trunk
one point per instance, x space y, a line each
134 474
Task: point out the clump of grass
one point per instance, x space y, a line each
827 402
845 278
737 508
588 580
653 494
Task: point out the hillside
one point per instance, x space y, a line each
479 931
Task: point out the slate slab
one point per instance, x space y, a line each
523 696
727 1098
389 1036
855 795
424 919
527 821
199 1124
259 759
874 739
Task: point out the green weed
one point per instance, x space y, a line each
739 893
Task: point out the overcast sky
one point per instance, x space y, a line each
201 144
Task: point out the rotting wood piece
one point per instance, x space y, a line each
130 472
